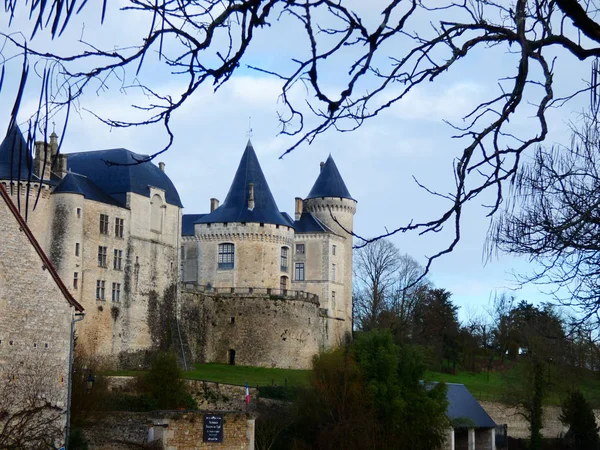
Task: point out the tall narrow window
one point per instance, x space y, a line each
226 256
283 284
102 256
79 213
333 300
119 227
156 212
284 259
333 272
100 289
300 249
103 224
76 248
333 250
118 259
299 271
116 292
75 280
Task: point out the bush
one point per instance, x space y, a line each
164 384
578 415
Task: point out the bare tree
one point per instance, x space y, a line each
375 63
32 402
554 219
375 271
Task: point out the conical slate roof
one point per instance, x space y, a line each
329 183
74 183
15 159
235 207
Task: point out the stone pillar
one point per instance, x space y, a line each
492 439
471 438
450 440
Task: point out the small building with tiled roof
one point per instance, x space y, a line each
36 315
246 244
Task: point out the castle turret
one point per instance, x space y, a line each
331 203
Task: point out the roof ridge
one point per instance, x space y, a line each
39 250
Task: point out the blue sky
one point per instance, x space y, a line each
378 161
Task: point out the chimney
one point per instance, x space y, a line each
299 207
42 153
60 168
161 166
214 204
251 196
322 165
54 144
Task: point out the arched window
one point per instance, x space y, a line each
226 256
284 259
156 213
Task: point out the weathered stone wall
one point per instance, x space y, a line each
518 427
257 254
263 330
119 430
35 317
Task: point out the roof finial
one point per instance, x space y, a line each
249 133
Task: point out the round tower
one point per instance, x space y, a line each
331 203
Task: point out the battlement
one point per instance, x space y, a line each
245 292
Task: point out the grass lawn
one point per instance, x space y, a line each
254 376
479 384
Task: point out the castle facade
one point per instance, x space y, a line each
150 277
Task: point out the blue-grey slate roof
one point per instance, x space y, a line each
329 183
235 207
288 218
16 162
464 410
115 172
187 223
74 183
308 223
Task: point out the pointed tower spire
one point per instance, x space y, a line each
15 158
249 198
329 182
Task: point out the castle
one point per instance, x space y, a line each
243 284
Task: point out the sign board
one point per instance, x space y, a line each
213 428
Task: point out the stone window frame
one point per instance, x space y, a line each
226 256
333 272
117 259
116 292
75 280
283 283
100 289
300 249
333 300
77 246
104 223
333 248
102 256
78 212
284 258
300 271
119 226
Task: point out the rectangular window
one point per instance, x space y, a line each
77 249
226 256
103 224
118 259
78 213
284 259
182 253
102 251
333 272
100 289
333 250
119 227
116 292
333 300
300 249
299 271
75 280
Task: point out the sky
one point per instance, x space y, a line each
379 162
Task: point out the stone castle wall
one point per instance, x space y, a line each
35 317
263 330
